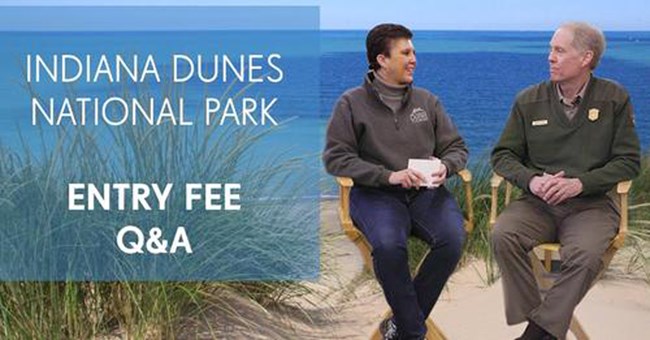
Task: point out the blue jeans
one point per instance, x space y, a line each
387 217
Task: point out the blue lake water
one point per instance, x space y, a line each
478 74
475 74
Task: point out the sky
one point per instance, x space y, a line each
628 15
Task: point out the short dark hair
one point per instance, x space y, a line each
379 41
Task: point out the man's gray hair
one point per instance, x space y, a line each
587 37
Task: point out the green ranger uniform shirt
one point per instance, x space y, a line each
599 145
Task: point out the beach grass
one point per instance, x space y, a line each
33 181
134 310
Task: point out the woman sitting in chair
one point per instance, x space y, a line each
374 130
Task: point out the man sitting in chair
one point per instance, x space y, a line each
373 132
567 142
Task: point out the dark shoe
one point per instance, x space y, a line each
388 330
534 332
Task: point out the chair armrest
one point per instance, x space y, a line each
495 183
466 177
622 189
345 184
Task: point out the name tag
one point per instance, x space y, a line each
540 122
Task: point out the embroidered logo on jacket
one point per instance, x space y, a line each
418 115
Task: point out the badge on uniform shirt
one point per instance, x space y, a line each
540 122
593 114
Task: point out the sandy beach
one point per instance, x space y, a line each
617 307
347 303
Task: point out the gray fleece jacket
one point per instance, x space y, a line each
367 141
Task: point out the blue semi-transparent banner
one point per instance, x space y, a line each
159 143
